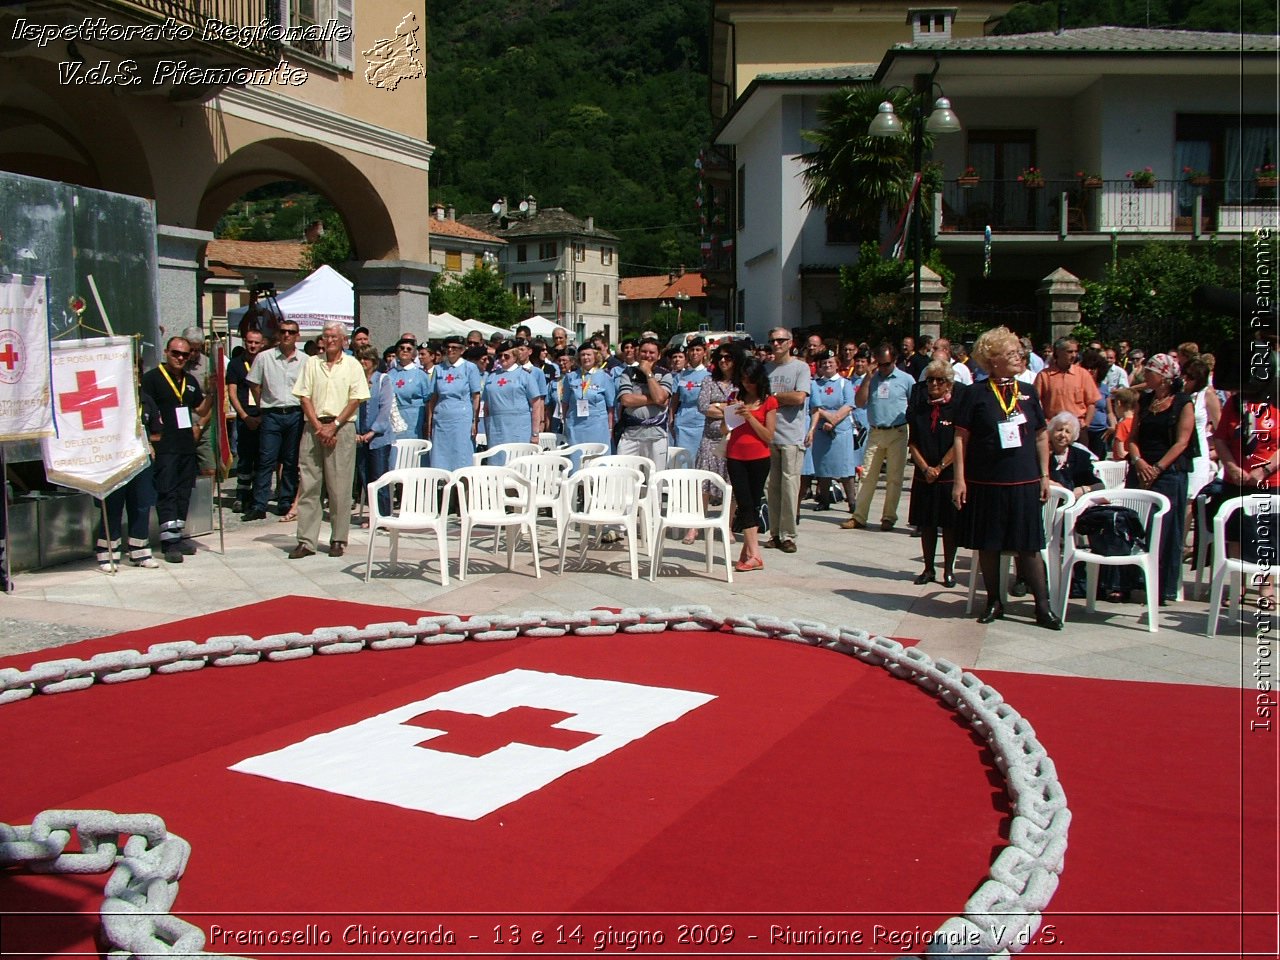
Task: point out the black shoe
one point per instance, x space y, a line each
1048 621
187 548
172 556
252 515
927 577
948 580
1019 589
1077 593
994 611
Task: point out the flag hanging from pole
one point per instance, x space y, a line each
896 246
99 446
25 411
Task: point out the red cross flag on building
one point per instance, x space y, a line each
25 412
99 445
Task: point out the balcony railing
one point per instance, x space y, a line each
1113 206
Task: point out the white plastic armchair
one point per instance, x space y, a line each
684 508
546 472
510 451
550 442
1059 499
648 508
498 498
678 458
610 497
406 454
1150 506
585 452
1227 570
424 503
1111 473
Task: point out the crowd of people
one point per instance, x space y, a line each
986 432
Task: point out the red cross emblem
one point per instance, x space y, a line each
502 381
88 400
8 357
476 736
400 383
449 378
829 391
689 384
13 356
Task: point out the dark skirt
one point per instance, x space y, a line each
1002 517
931 505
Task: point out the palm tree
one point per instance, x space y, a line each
854 175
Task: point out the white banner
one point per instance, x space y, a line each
25 413
99 445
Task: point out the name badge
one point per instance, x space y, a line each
882 391
1018 418
182 416
584 407
1010 435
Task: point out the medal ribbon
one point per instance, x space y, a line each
1014 396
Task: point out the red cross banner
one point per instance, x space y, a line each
99 445
25 413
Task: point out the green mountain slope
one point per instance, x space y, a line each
598 106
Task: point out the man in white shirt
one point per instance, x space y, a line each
942 351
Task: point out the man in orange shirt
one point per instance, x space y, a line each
1065 385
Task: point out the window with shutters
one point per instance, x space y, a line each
580 292
453 260
322 29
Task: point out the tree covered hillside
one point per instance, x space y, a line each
597 106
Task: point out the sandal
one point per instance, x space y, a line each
289 517
743 566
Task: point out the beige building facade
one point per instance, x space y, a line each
197 105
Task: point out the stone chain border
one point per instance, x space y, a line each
999 919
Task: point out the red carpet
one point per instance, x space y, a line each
812 791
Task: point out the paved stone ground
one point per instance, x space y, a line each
857 578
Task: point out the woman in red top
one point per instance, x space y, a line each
747 455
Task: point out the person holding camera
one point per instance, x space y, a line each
643 395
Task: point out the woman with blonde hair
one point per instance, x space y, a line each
1001 457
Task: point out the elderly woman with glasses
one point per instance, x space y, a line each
829 442
453 415
412 389
513 401
932 430
1001 460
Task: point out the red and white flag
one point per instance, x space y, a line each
472 750
25 413
99 445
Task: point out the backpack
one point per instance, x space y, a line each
1112 530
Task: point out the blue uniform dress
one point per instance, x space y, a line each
689 421
832 451
508 404
860 418
412 388
451 443
601 392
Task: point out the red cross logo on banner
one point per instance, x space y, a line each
13 356
476 736
502 381
8 357
88 400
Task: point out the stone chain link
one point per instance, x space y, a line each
999 919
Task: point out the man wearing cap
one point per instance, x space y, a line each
271 381
181 402
329 389
1065 385
453 414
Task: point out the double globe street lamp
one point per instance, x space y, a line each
941 120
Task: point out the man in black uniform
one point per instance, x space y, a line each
182 404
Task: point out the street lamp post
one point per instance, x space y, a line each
887 124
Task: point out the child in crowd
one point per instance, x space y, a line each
1123 402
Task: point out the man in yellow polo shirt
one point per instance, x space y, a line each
330 389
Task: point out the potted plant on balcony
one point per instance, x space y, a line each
1143 179
1265 175
969 178
1089 181
1031 178
1197 178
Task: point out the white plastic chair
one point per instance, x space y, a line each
408 454
1059 499
511 450
550 442
1150 506
499 498
1204 544
610 498
1228 571
678 458
586 452
647 468
424 507
684 509
1111 472
546 472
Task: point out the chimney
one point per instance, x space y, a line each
450 213
437 211
591 224
931 23
681 270
531 206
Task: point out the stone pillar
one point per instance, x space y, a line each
1059 295
179 260
932 293
393 298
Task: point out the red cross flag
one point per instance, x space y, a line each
472 750
25 413
99 445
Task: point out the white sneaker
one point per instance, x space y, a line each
147 563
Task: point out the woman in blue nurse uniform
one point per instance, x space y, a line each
412 389
588 396
455 408
512 402
689 422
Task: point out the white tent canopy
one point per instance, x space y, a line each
326 296
487 329
440 325
540 326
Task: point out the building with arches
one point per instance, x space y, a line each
192 104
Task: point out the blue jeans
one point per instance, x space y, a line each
279 437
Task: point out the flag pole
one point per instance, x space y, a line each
219 420
6 579
106 535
